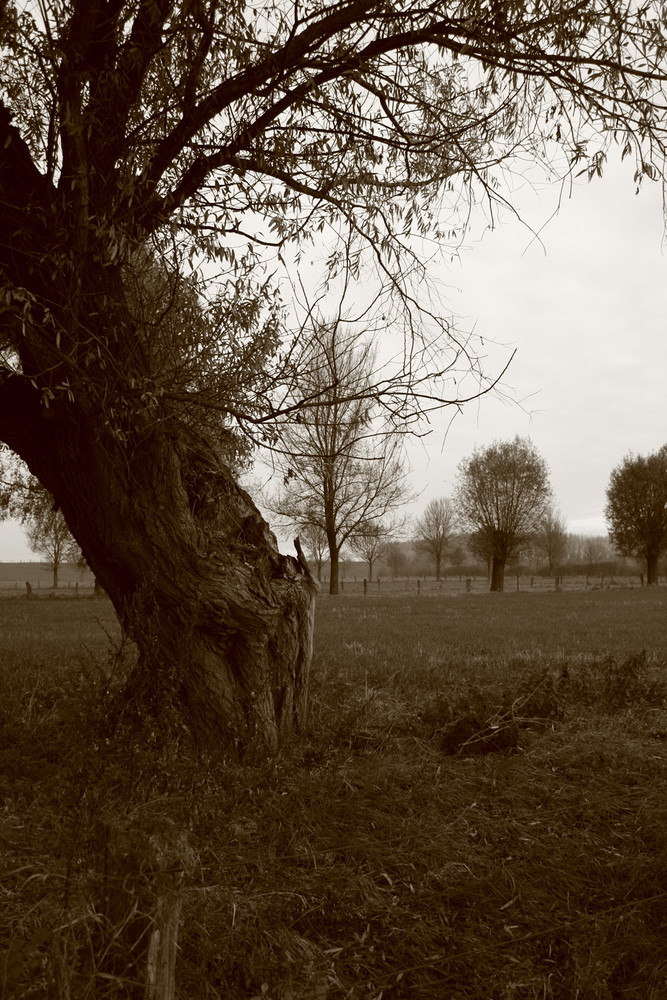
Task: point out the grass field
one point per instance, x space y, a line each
476 811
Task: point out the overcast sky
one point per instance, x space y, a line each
586 309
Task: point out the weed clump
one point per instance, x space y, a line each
612 685
473 723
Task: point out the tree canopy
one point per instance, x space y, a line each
230 132
501 496
636 508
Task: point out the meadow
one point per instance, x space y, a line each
477 809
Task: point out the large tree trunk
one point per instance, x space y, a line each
498 575
651 568
222 620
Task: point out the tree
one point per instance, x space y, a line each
24 498
457 555
396 558
434 530
342 471
501 495
552 537
316 540
636 508
371 541
143 143
49 536
594 552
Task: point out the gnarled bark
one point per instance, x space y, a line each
223 621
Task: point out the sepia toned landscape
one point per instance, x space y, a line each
475 808
332 382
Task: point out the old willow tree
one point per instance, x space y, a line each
141 140
636 508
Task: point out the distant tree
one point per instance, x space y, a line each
534 555
551 537
371 541
49 536
23 497
457 555
636 508
342 468
574 548
594 551
501 494
315 540
434 529
396 559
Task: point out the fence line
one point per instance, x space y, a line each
429 586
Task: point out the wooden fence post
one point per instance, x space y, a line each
28 591
365 587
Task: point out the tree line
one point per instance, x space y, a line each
343 481
344 485
501 512
406 557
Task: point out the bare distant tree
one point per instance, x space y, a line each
396 558
637 508
315 540
342 468
594 552
371 542
551 537
434 530
501 494
458 555
534 555
23 497
49 536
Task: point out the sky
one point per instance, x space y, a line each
585 306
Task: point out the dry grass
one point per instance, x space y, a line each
380 855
